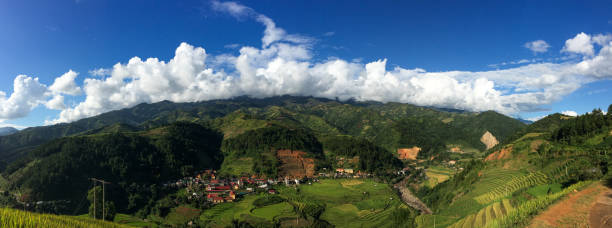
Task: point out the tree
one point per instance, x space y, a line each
109 206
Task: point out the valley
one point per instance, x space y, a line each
311 162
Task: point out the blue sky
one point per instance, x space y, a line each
417 45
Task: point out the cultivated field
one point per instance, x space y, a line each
348 203
436 175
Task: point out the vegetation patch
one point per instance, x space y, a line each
267 200
545 189
24 219
515 184
523 212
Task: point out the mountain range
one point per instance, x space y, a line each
7 131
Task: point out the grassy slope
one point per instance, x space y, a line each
437 174
17 218
346 206
519 180
130 220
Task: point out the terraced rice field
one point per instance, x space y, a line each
493 179
465 206
486 215
437 175
348 206
348 203
24 219
517 183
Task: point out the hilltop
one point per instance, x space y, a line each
7 131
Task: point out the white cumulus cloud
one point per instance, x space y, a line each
284 64
27 94
65 84
56 103
602 39
537 46
580 44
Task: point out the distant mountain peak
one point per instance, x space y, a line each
7 130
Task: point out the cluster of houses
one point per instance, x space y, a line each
207 185
348 173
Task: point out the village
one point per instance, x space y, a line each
208 185
211 187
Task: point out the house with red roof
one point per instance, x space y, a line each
218 199
223 188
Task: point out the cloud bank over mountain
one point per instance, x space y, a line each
284 64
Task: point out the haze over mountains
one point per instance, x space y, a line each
7 131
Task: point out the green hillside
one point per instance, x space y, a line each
517 180
134 162
254 151
140 149
17 218
371 158
377 122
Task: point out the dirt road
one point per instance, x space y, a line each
600 215
590 207
409 198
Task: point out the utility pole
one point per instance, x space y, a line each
103 184
94 192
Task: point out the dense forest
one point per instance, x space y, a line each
135 163
252 143
372 158
576 130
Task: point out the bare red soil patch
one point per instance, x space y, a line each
571 211
600 214
408 153
500 154
294 164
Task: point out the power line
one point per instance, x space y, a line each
80 203
103 184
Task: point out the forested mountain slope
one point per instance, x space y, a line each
136 163
387 125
